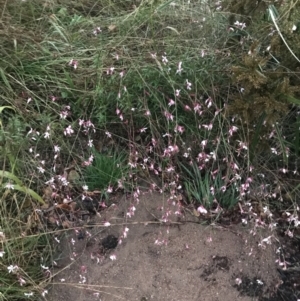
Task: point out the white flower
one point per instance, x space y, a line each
44 293
9 186
164 59
12 268
28 294
21 281
68 131
41 169
2 253
113 257
44 267
201 210
238 281
179 69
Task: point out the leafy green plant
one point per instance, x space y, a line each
204 190
105 171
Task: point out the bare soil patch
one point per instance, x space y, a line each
189 261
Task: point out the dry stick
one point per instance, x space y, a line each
93 287
80 285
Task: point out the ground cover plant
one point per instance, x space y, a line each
199 98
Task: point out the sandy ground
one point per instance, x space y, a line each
190 262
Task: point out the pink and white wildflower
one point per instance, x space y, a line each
169 116
171 103
68 131
188 85
73 63
164 59
12 269
202 210
97 30
179 129
179 68
9 186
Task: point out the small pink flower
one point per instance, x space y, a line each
171 102
12 269
21 281
83 269
188 85
238 281
232 130
143 130
168 115
209 239
197 108
96 31
125 232
68 131
208 102
179 69
179 129
201 210
113 257
73 63
187 108
164 59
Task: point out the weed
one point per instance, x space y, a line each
106 171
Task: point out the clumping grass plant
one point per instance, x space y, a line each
106 171
186 90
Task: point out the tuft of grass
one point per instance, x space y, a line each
106 170
203 189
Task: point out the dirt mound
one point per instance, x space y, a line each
179 261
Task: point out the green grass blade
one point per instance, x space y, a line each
6 107
9 175
30 192
4 78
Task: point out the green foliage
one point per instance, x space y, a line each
118 48
204 190
26 244
105 171
264 79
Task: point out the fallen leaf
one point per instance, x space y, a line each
112 27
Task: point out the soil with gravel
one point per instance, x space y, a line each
184 260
